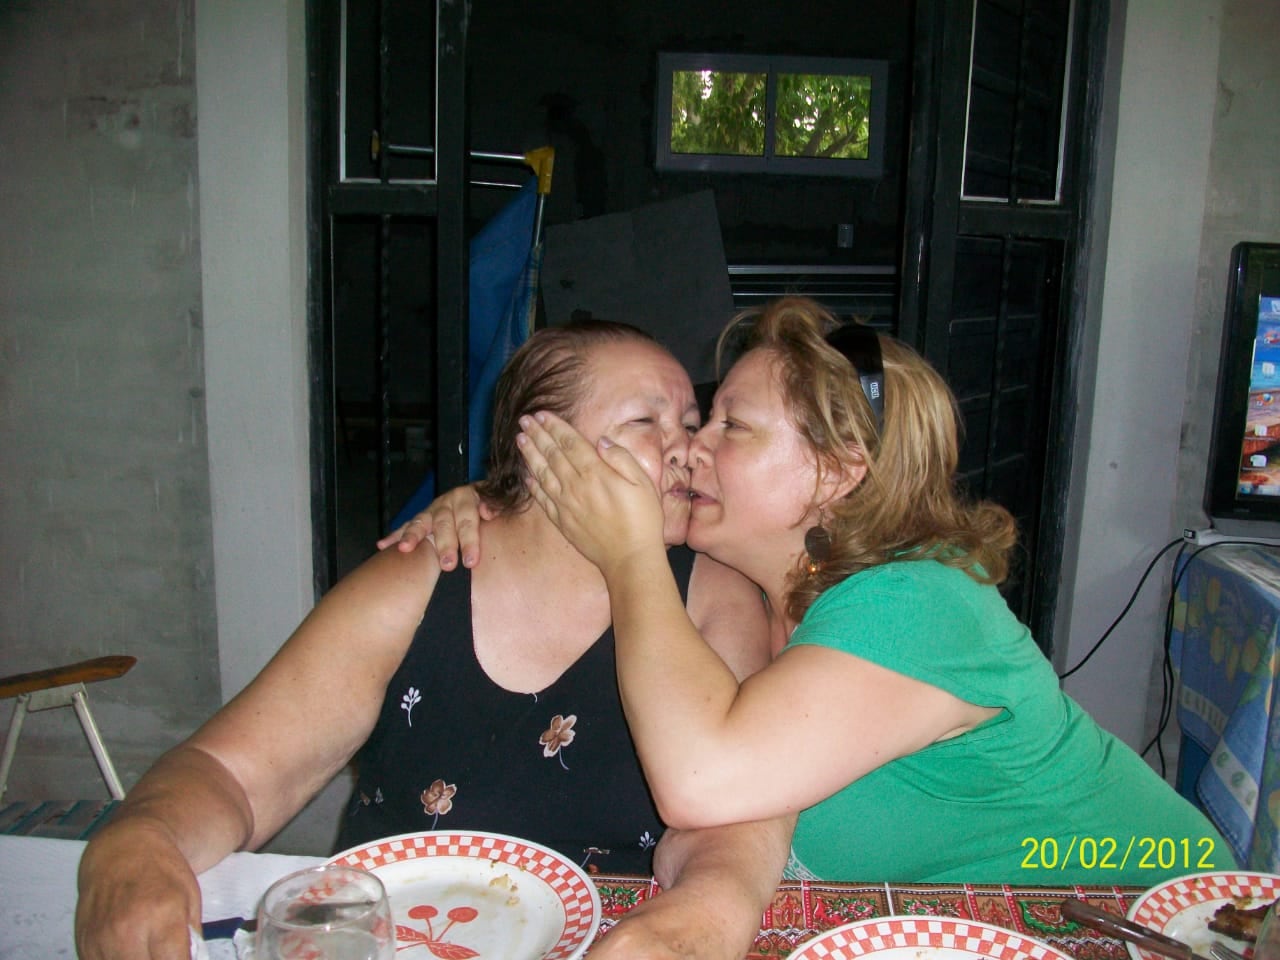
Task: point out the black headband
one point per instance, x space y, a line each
861 347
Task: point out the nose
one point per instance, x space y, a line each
675 447
699 448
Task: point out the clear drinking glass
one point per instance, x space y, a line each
1268 945
325 913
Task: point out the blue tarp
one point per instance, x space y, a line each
502 294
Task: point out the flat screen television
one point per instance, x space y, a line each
1242 492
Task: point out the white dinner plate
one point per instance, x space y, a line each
481 895
1182 907
924 938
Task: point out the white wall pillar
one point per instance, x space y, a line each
251 97
1125 465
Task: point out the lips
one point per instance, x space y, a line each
676 484
697 497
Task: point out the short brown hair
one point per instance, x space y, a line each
908 506
549 372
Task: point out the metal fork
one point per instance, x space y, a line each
1220 951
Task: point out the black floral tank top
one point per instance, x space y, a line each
454 751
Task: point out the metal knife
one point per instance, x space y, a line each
1126 929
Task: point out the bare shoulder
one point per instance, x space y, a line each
729 612
388 580
342 655
369 617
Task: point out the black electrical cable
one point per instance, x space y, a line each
1146 573
1166 666
1167 677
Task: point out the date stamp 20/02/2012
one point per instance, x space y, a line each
1116 853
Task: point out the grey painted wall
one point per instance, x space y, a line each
1194 170
252 104
253 182
119 503
104 505
1125 462
124 524
1242 203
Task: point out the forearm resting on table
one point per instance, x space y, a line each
746 857
716 883
138 893
191 800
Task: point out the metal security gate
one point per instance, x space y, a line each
997 185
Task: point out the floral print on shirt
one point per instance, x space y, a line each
409 701
437 799
557 736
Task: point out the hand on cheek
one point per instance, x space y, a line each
604 502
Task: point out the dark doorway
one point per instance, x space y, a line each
999 179
965 246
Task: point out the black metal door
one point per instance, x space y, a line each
994 211
389 264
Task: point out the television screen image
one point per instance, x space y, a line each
1260 450
1242 492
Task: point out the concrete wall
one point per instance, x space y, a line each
154 428
1195 169
253 199
252 100
1125 465
1242 203
105 530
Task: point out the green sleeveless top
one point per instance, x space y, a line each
1039 794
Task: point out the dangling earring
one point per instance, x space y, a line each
817 544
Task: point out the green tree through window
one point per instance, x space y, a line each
717 112
777 114
823 115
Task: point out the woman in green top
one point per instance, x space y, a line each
908 716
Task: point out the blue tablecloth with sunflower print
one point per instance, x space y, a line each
1224 650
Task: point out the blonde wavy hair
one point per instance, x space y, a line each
908 505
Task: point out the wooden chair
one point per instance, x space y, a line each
62 687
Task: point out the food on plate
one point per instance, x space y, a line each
1237 922
504 881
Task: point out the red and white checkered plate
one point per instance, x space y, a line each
924 938
1182 907
462 895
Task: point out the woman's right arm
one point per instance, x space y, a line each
252 766
699 734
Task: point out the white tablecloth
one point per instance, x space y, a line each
38 894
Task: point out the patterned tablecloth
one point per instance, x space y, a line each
1225 650
804 909
38 898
